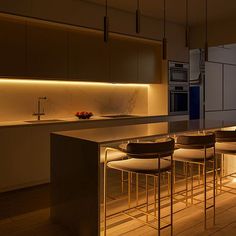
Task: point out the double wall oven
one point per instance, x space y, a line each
178 88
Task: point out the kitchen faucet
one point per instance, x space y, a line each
39 113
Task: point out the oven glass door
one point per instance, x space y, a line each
178 75
178 102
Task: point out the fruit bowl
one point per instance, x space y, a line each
83 114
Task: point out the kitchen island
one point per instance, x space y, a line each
75 167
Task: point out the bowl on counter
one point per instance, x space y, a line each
83 114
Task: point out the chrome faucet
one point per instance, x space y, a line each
39 113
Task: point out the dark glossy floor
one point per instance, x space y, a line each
26 213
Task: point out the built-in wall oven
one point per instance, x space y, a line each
178 72
178 99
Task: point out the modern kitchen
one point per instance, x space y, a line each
117 117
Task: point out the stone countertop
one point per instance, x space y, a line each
129 132
47 121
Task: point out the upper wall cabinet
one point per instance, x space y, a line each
149 63
12 48
46 51
123 55
88 57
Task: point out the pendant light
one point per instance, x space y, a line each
138 14
164 40
187 25
206 30
106 25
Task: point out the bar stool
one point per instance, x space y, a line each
197 149
225 144
147 159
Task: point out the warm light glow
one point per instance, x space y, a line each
234 180
31 81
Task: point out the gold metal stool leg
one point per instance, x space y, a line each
129 192
155 196
186 182
215 182
147 198
191 169
205 192
137 200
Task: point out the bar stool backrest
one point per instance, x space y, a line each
225 135
196 141
160 148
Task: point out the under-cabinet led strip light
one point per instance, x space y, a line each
31 81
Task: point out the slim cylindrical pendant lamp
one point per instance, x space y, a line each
187 24
138 15
106 25
164 40
206 30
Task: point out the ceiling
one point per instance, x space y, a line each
218 10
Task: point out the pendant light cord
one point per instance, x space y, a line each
206 30
106 23
206 20
187 25
164 24
106 9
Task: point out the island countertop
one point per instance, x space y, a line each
122 133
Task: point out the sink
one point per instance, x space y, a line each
43 121
119 116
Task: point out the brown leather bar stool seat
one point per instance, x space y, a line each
226 141
192 147
143 166
146 158
143 157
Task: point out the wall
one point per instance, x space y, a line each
18 100
221 83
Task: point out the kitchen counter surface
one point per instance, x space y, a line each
33 122
115 134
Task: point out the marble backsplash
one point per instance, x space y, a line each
18 100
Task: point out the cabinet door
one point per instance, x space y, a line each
229 87
46 51
15 162
12 48
123 53
213 86
149 65
88 57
